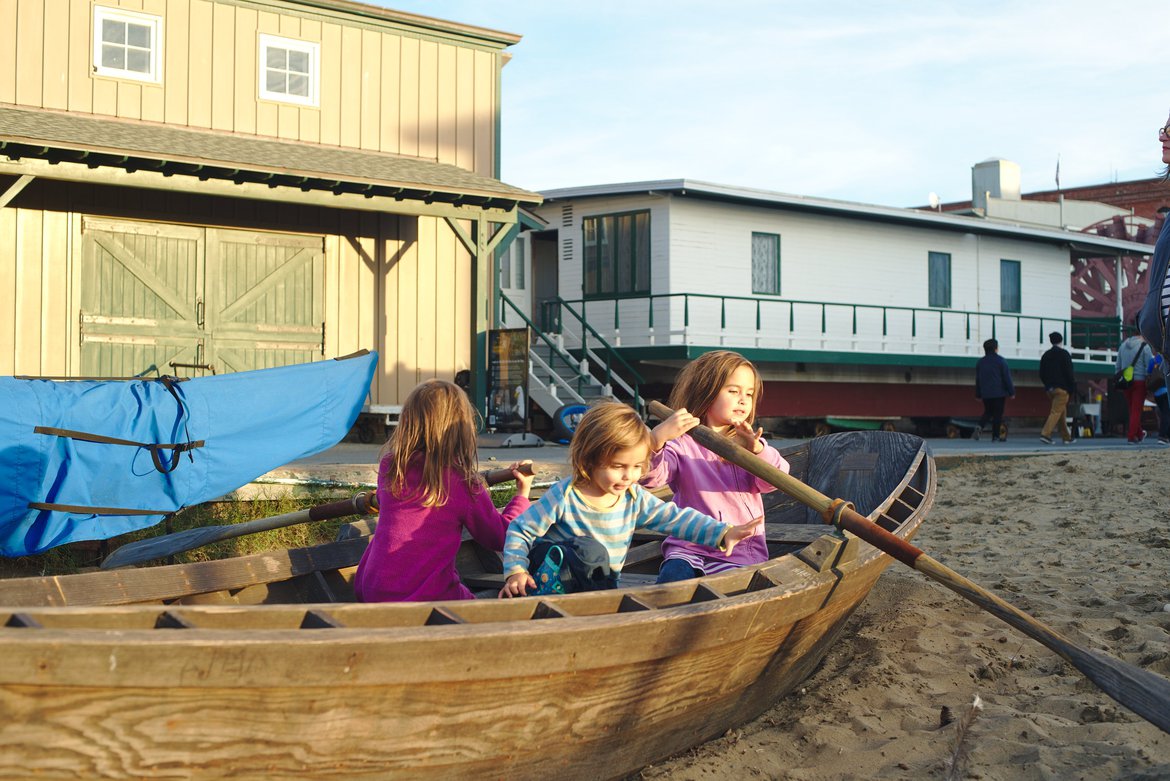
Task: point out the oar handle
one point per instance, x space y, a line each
725 447
496 476
1145 693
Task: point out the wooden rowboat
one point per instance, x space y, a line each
257 668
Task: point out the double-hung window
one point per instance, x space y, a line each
617 254
126 44
939 279
766 263
289 70
1009 286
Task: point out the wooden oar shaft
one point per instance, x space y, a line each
189 539
1145 693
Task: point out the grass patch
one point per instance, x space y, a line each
85 556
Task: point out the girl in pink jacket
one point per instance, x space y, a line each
428 491
719 389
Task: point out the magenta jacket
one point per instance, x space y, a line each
412 555
705 482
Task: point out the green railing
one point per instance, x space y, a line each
926 323
555 353
554 311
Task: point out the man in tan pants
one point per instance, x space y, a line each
1056 372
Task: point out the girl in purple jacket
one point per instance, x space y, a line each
719 389
428 491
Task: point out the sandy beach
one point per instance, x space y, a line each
1080 541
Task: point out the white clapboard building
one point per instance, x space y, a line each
851 311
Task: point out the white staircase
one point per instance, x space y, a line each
555 378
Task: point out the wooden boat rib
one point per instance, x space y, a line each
200 671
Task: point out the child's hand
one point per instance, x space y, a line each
737 533
523 481
748 439
517 585
673 427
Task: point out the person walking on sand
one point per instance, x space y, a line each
993 386
1056 372
1134 353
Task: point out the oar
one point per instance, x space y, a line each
1145 693
189 539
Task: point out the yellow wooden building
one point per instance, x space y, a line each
198 185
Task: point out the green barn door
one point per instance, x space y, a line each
266 299
173 299
139 293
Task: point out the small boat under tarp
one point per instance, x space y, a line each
92 459
262 666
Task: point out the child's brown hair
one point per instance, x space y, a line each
604 430
700 381
437 422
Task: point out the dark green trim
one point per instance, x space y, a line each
1019 283
634 290
689 352
779 281
930 282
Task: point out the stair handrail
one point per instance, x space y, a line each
610 353
554 351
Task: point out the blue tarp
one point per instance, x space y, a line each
236 426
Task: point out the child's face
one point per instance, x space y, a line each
736 399
620 470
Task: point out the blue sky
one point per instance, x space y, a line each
876 102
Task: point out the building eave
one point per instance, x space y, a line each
90 143
495 38
1077 241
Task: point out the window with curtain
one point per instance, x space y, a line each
939 279
1009 286
617 254
766 263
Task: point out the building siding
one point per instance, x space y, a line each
703 248
381 88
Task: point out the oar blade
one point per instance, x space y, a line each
1145 693
160 547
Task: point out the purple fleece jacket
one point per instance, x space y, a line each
412 555
705 482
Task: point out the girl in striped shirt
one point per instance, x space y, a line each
590 517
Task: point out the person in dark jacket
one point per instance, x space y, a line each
993 386
1155 312
1056 372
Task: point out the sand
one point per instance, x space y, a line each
1080 542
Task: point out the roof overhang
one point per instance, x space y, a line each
1080 244
58 145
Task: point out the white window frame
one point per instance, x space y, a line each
291 44
155 23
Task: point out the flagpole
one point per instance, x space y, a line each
1059 194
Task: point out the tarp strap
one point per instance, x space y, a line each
83 510
101 439
169 382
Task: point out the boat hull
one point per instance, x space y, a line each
582 686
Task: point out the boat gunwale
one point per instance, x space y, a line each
786 572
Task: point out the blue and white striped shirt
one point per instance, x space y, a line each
562 514
1166 297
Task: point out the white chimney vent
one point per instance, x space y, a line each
994 178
